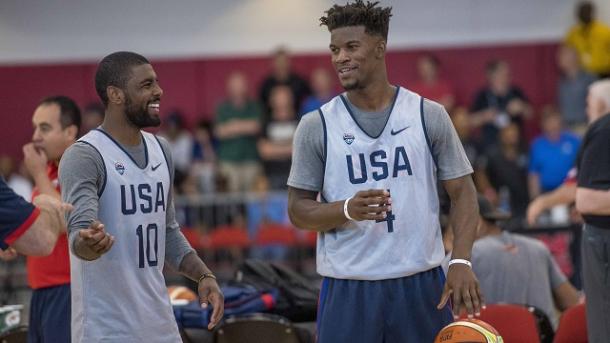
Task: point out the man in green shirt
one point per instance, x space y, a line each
237 126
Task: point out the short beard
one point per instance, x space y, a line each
139 117
352 86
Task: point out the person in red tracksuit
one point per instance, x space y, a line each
56 123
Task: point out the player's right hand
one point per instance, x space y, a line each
372 204
96 238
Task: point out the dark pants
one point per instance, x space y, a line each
393 310
596 277
50 315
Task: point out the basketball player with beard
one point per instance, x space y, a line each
123 229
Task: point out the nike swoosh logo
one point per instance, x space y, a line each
157 166
399 131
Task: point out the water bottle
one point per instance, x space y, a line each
504 199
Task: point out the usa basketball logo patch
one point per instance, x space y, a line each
348 138
119 167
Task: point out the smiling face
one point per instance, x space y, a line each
143 97
356 56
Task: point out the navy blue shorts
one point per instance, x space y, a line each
393 310
50 315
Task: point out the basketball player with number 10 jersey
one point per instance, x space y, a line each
123 229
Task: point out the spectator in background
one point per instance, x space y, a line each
56 122
463 127
180 143
275 145
237 126
517 269
93 116
572 89
322 86
598 104
591 38
502 172
282 75
499 104
552 154
204 158
430 86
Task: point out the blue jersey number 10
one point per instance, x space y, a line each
150 235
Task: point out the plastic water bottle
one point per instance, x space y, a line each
504 199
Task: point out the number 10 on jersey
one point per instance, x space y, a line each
147 245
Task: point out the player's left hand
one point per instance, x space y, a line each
35 160
210 293
463 285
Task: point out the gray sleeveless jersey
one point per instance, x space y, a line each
398 160
121 297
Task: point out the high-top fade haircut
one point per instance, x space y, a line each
115 70
374 18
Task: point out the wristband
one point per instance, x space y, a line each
206 275
345 209
460 261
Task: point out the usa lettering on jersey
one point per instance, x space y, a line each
134 197
378 165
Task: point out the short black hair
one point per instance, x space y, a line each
115 70
375 19
493 65
205 125
585 11
69 113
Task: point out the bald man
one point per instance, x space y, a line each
593 202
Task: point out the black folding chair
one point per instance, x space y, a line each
257 328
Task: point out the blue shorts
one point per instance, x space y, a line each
393 310
50 315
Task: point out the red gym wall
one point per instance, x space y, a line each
196 86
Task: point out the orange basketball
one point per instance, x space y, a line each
181 293
468 330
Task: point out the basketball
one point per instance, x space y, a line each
468 331
180 294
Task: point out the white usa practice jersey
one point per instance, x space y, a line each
399 160
122 297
